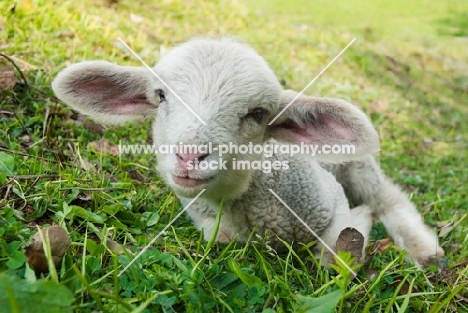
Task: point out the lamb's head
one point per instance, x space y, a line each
211 92
232 90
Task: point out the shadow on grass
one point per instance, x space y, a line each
430 147
456 25
441 96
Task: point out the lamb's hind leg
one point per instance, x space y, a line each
365 183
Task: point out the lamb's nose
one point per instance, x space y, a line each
187 157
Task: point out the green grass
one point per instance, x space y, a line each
407 70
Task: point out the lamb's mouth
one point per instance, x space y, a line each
186 181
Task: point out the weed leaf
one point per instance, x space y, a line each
7 164
324 304
17 295
246 278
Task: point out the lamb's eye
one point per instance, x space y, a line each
161 95
257 114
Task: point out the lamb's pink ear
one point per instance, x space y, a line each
107 92
325 121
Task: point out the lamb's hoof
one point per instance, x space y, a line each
439 261
434 259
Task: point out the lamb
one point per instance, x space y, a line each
234 95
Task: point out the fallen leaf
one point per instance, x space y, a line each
65 34
81 200
24 66
441 148
378 106
7 77
461 298
25 141
372 274
405 286
103 146
81 120
301 26
78 117
27 5
114 246
59 244
136 18
444 230
136 175
440 224
4 115
381 245
352 241
94 127
111 2
86 165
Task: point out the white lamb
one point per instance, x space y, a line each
234 91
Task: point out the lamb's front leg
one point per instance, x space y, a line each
359 218
224 235
365 183
231 226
